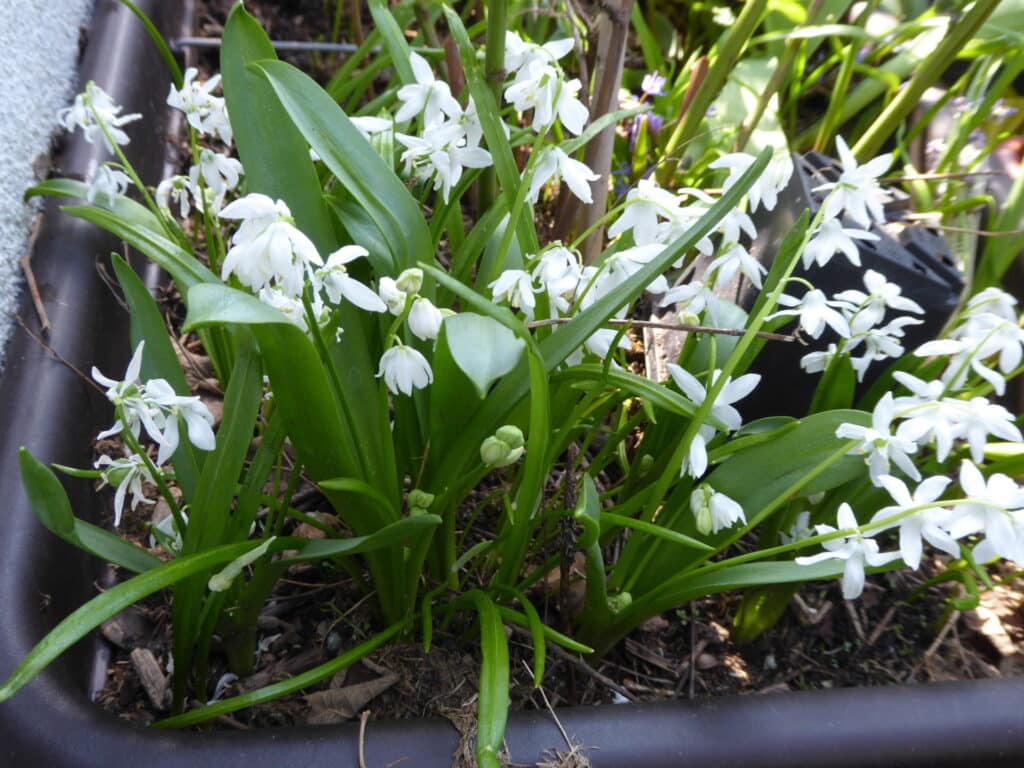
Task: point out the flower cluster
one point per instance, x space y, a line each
538 83
451 136
95 112
206 113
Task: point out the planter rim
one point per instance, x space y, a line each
51 722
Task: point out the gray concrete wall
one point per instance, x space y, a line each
38 67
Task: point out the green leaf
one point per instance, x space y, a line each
354 162
50 504
352 485
760 610
274 153
484 349
127 210
297 376
113 601
181 265
395 534
394 40
637 386
159 360
492 709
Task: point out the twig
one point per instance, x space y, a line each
30 277
883 625
547 704
60 358
581 665
855 620
693 650
363 717
674 327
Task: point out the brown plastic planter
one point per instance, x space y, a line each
52 723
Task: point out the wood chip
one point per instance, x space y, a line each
153 679
128 629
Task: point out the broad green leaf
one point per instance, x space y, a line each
355 164
50 504
159 361
760 610
113 601
484 349
297 375
351 485
274 153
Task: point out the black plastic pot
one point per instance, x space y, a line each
52 722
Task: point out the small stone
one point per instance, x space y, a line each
154 682
707 661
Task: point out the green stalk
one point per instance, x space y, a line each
777 79
957 36
718 74
494 72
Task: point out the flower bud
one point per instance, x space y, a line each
425 319
512 435
419 502
700 505
503 447
410 280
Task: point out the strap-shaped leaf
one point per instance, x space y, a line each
259 123
492 708
50 504
113 601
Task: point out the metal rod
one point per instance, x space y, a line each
279 45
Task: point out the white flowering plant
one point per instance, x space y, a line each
400 363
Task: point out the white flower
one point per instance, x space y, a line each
198 419
854 549
928 523
558 271
881 294
600 343
520 53
979 418
879 444
981 337
410 280
442 155
204 111
696 461
426 95
339 284
219 172
369 125
127 475
816 362
765 191
736 258
880 343
425 319
267 246
392 296
106 185
831 237
569 108
815 313
129 394
289 306
691 299
646 205
994 508
857 192
404 369
622 265
554 164
177 189
515 287
92 111
714 511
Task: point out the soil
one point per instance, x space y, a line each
899 632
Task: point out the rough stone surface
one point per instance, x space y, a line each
39 40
